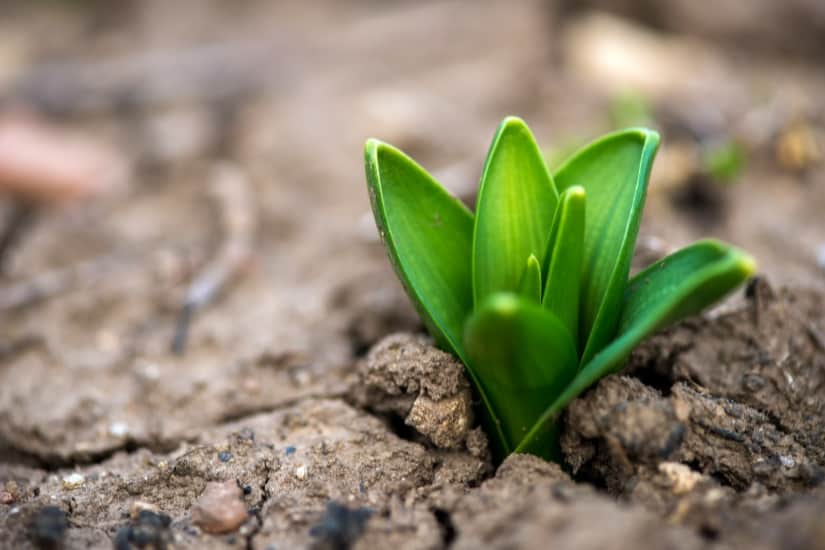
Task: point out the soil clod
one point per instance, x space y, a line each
339 527
149 530
407 377
48 527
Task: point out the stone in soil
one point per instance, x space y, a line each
405 376
148 529
48 527
339 527
221 508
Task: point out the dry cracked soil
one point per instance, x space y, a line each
308 408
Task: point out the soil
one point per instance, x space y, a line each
305 407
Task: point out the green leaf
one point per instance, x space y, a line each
725 161
516 202
428 234
564 259
523 356
614 171
530 286
681 285
675 287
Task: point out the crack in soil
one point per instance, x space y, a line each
445 526
240 416
257 509
15 456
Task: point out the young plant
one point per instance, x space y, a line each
532 293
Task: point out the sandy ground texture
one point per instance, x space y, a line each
303 406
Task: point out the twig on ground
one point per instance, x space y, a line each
20 217
232 193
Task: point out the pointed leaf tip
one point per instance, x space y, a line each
371 144
515 207
530 286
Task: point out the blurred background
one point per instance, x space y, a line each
183 198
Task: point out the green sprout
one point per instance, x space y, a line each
533 293
724 161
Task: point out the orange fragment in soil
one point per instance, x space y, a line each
45 163
220 509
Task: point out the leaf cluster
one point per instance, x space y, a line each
532 292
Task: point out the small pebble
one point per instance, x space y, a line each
247 489
224 456
682 479
48 526
73 481
10 492
148 530
250 385
220 509
147 371
118 429
12 487
301 472
339 526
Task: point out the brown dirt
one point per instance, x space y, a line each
308 382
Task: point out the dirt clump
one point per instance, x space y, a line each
739 397
148 529
769 355
717 421
407 377
339 527
287 465
48 527
547 506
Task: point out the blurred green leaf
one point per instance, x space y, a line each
630 108
724 161
516 202
614 172
523 355
671 289
530 286
563 259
